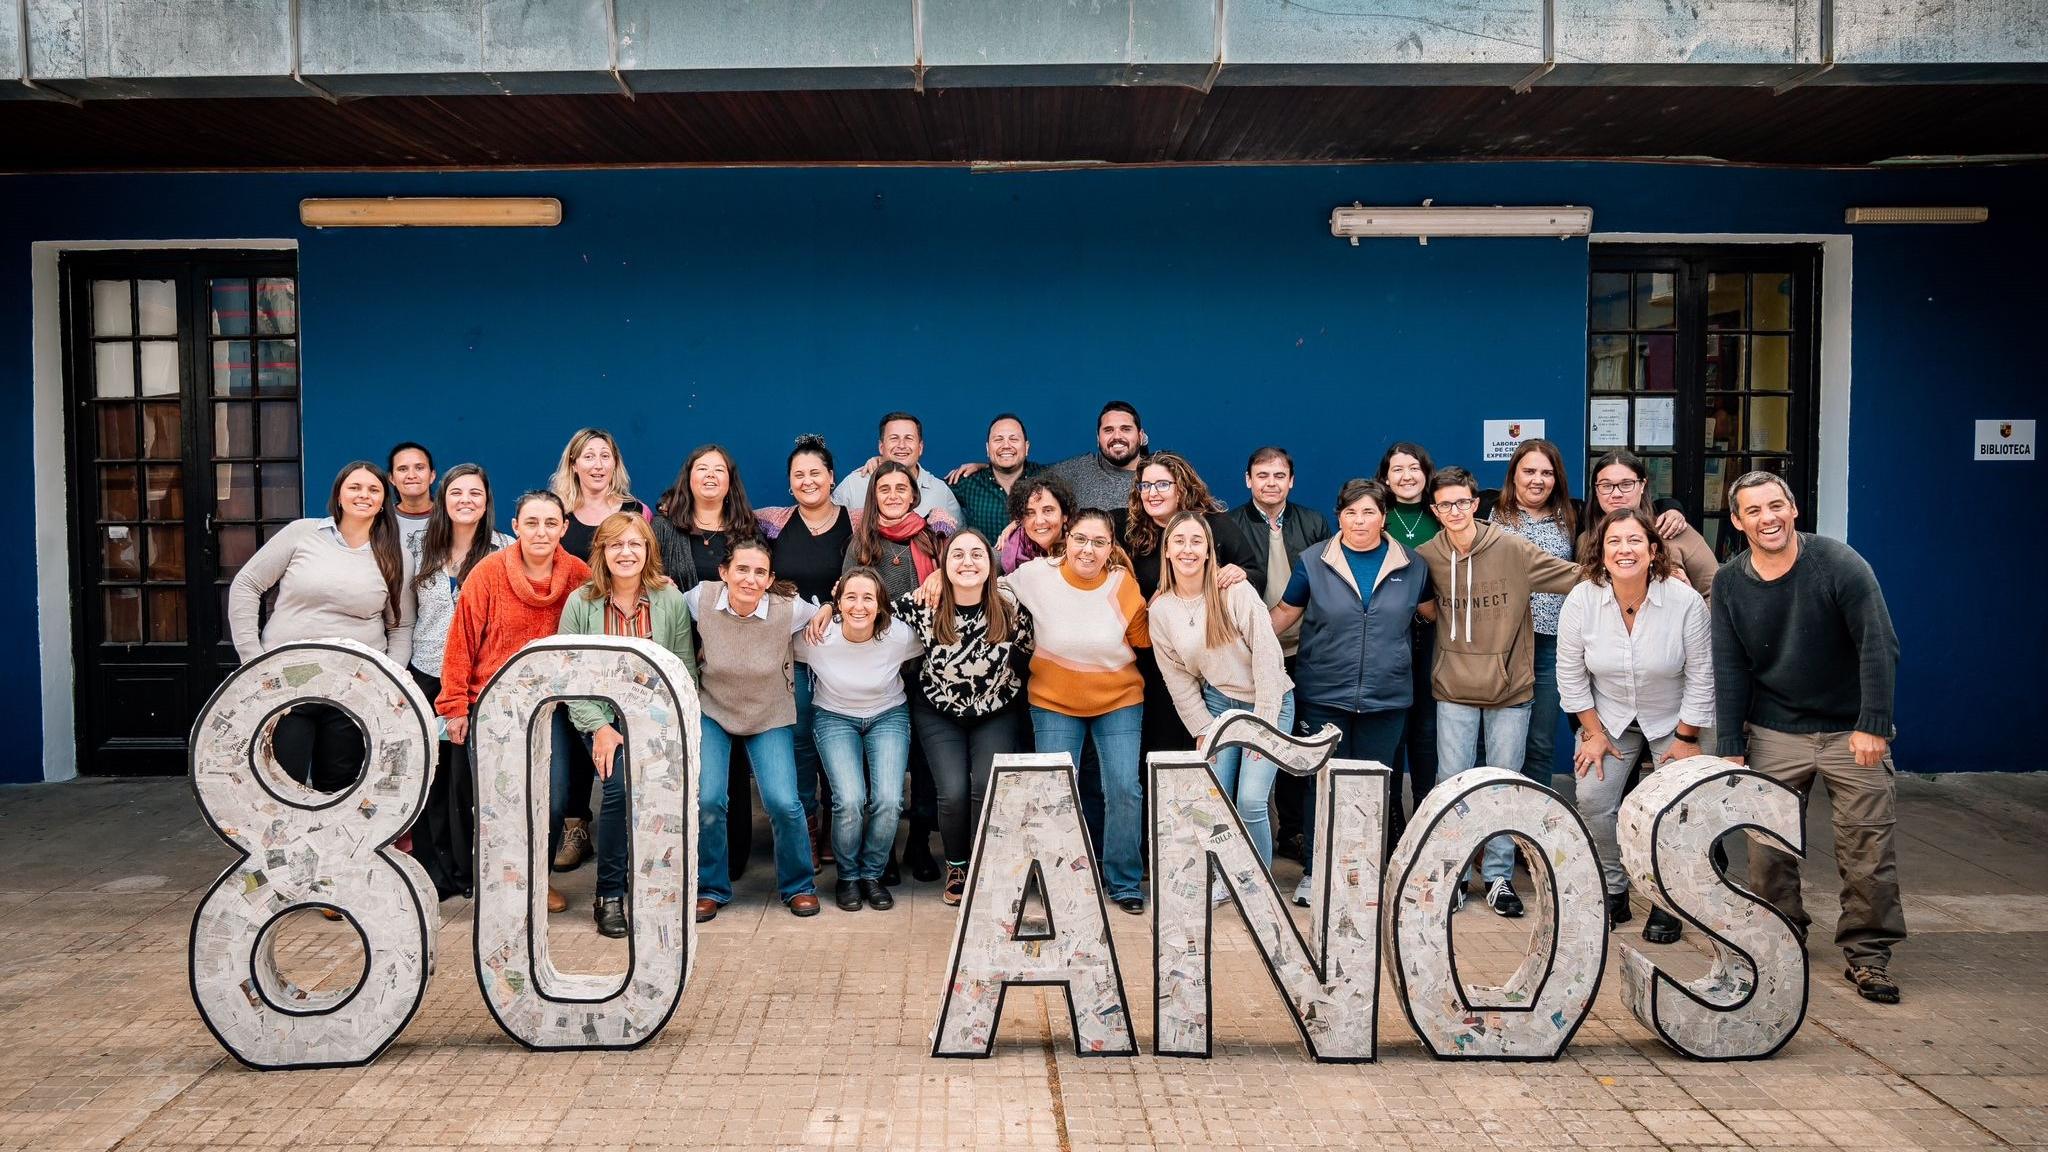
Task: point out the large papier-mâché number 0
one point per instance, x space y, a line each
302 848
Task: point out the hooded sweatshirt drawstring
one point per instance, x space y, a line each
1471 582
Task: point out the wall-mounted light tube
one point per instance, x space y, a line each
1359 221
1918 215
432 212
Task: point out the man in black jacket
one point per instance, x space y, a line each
1269 518
1277 531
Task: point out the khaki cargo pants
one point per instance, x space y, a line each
1872 919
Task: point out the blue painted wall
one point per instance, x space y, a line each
746 306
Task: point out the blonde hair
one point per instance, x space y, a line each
616 525
1220 630
569 489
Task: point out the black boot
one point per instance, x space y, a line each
917 857
610 914
1618 911
877 896
848 894
1662 927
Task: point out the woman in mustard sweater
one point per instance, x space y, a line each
1085 683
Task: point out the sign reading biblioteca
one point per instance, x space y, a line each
2003 440
1033 913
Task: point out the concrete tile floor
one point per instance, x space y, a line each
799 1034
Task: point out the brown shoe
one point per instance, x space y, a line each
575 846
956 884
556 901
706 909
804 905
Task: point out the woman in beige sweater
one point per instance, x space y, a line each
1217 651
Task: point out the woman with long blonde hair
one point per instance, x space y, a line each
628 595
1217 651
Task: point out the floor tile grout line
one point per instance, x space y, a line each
1052 1075
142 1124
1867 1054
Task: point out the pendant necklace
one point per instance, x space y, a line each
1408 527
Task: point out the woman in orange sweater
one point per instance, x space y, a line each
512 596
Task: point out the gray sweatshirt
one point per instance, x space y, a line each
325 590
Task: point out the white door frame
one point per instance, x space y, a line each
52 492
1831 518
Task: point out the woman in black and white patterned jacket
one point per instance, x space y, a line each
967 705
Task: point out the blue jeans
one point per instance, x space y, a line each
1115 736
864 760
612 865
1361 736
1458 728
773 754
806 745
1539 759
1252 791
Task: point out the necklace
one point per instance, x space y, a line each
1191 607
1629 610
1408 527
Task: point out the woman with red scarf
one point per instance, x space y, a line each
891 538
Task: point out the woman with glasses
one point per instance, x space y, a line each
1085 687
1168 485
1621 480
591 482
628 595
458 535
1536 504
1635 665
1218 651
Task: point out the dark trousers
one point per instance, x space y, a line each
961 754
1361 736
319 746
444 837
1416 756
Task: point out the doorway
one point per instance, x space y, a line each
1704 362
181 381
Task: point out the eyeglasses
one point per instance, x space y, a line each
1155 486
1616 487
1079 541
1459 506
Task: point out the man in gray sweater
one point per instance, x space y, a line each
1804 661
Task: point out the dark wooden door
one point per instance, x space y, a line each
1706 360
182 429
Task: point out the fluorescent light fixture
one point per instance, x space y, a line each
1427 220
432 212
1918 215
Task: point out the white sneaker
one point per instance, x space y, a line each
1303 890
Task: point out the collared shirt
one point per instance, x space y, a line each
694 599
1656 676
640 623
984 502
933 497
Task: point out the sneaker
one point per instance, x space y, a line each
956 883
1874 984
1219 891
1304 890
575 845
1500 896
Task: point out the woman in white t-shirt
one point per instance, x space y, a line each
861 723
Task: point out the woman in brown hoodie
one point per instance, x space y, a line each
512 596
1485 674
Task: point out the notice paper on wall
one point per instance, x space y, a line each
1608 425
1656 422
2003 440
1501 436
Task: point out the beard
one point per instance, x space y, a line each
1120 456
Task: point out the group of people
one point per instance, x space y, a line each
892 623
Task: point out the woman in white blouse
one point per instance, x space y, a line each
1635 665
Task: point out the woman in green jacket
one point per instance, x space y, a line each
628 595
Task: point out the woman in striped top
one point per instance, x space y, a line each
1090 619
628 595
